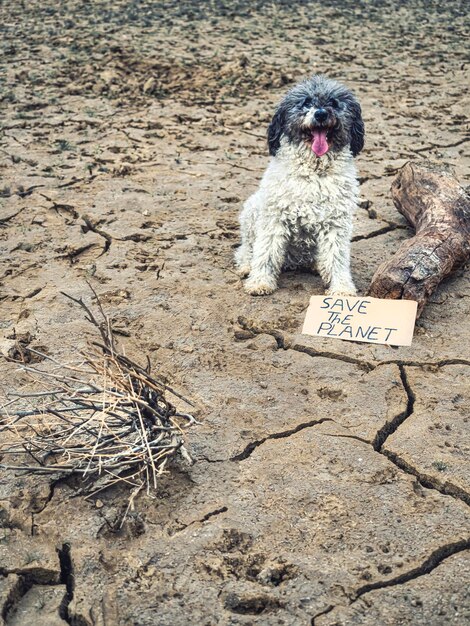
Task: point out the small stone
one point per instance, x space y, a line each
110 77
264 342
122 169
150 571
99 504
243 335
149 85
8 348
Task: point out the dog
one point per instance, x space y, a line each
301 214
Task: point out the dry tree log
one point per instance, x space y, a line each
435 204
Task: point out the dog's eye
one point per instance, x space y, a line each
307 103
334 103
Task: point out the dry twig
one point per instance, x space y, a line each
106 419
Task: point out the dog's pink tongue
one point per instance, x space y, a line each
319 144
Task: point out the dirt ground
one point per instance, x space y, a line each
331 482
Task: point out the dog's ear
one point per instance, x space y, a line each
357 128
276 129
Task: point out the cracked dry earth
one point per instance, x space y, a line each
331 482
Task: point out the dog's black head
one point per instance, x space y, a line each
322 115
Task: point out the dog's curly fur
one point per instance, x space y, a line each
302 212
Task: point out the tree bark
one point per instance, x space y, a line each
435 204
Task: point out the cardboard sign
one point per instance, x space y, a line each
361 319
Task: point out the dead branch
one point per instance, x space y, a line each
435 204
109 422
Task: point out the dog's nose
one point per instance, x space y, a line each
321 115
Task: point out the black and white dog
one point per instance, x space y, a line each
301 214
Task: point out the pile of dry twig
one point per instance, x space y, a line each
105 418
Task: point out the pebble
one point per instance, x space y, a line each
149 85
243 335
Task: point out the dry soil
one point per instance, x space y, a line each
331 482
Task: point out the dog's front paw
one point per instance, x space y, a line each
243 270
261 286
342 291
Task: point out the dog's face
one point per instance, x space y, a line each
320 114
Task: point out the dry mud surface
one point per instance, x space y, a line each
331 485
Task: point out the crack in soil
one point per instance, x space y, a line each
27 578
249 449
24 193
438 364
426 481
4 220
52 485
76 181
90 226
390 427
286 343
355 437
328 609
435 146
434 560
67 578
429 482
14 597
71 256
365 365
60 206
426 567
380 231
222 509
207 516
